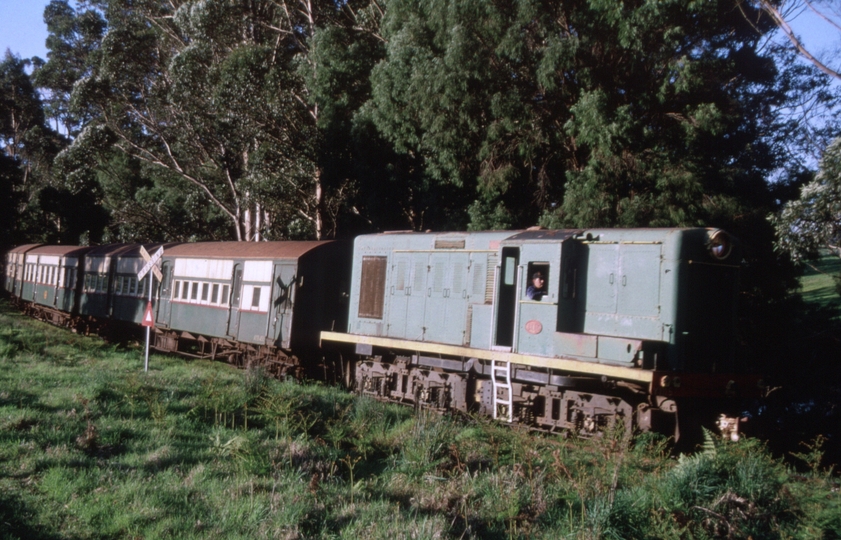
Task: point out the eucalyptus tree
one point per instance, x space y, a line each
27 147
581 113
813 221
72 36
215 93
826 12
21 114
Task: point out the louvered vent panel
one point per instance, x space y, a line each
372 287
493 260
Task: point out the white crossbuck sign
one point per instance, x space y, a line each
151 263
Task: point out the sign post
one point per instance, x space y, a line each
148 318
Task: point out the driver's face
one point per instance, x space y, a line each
538 282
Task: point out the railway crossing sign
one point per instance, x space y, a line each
148 317
151 263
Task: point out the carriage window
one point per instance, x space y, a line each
255 298
214 297
224 295
177 290
372 293
204 289
195 292
185 290
119 289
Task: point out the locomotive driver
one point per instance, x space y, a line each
537 289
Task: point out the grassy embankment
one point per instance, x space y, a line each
91 447
818 283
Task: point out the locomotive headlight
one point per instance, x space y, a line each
720 244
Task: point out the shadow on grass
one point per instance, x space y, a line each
15 522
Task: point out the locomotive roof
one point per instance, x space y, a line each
245 250
549 235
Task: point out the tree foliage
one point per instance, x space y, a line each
35 205
73 37
813 221
580 113
227 97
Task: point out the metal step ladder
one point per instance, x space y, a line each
501 380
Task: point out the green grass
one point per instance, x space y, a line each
92 447
819 282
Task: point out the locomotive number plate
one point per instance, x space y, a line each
534 327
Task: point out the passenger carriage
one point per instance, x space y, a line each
45 277
129 295
14 269
250 302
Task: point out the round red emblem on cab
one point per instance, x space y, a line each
534 327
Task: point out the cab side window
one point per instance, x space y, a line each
537 285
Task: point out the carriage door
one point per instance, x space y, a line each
236 294
506 297
283 298
165 292
36 278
